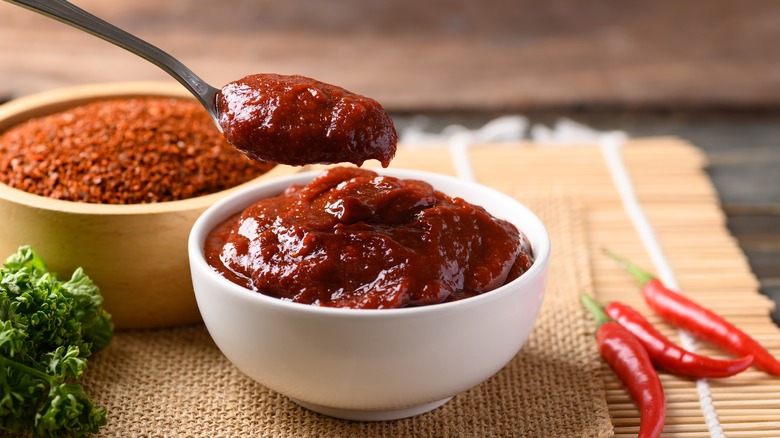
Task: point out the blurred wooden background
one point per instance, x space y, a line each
431 55
705 70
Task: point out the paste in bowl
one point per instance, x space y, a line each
353 238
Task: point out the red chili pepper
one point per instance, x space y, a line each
669 356
630 362
699 321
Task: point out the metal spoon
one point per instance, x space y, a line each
354 132
70 14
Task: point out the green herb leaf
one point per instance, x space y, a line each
48 329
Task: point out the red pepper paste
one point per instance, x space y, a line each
297 120
352 238
123 151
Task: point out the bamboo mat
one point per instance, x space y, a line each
681 204
175 382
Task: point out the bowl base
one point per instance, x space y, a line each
370 415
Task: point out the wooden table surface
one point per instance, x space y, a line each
703 70
431 55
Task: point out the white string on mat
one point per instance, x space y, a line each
459 150
459 138
502 129
611 145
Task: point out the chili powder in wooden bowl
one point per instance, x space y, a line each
124 150
111 177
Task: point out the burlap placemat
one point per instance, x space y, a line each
175 382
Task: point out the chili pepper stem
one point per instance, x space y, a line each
640 275
595 309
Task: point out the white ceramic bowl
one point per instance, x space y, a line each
371 364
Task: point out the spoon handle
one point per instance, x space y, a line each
71 14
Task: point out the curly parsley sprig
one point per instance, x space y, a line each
48 329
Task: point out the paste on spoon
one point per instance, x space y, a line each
297 120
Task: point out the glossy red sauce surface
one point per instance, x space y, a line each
296 120
352 238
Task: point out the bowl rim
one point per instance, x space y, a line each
51 101
243 198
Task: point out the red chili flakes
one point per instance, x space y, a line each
123 151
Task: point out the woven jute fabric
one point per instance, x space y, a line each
175 382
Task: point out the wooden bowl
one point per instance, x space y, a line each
136 254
